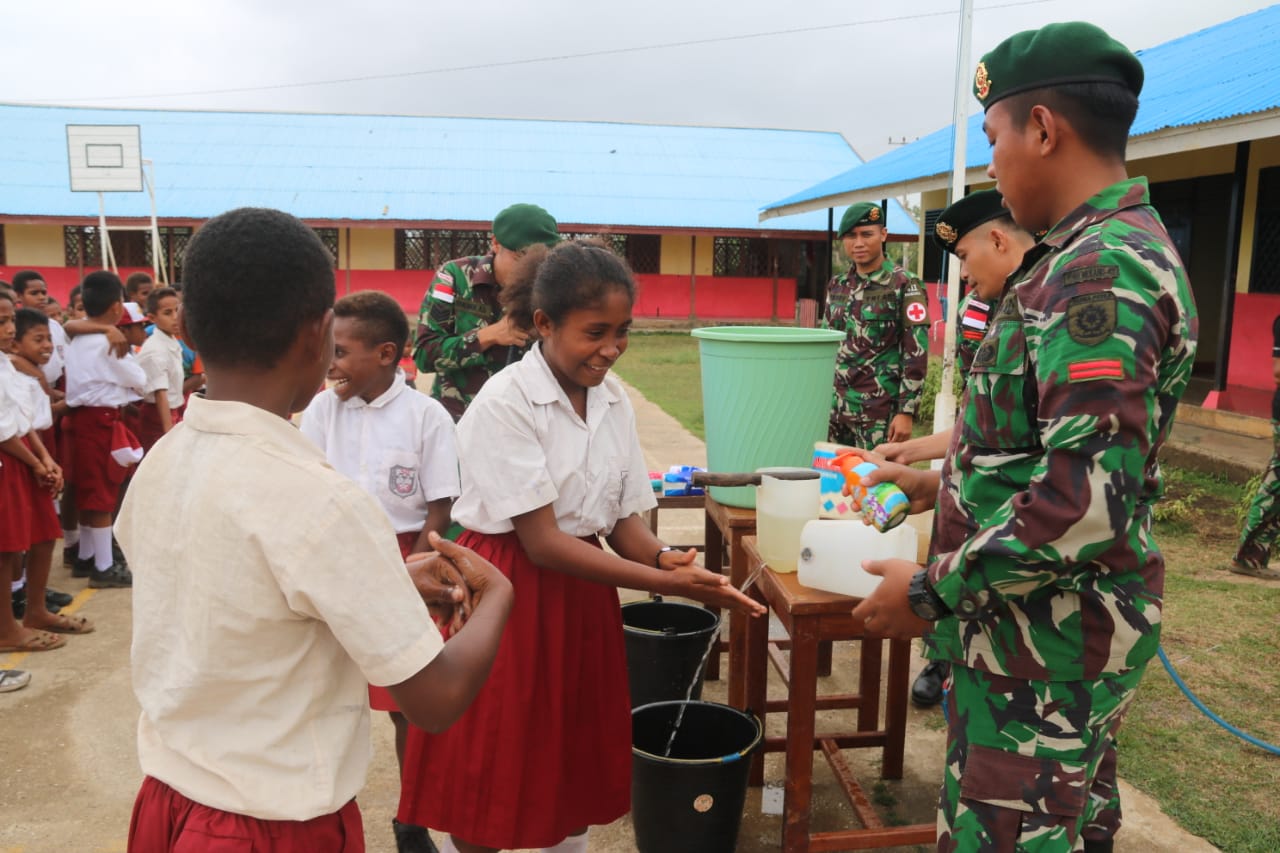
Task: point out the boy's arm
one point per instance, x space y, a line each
438 520
162 408
440 692
115 338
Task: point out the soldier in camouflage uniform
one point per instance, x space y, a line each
463 337
884 313
989 245
1045 588
1262 525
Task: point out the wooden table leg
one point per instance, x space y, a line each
895 711
800 727
869 683
738 572
756 676
824 658
714 542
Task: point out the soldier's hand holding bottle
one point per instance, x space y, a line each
920 486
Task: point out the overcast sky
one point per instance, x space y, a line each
871 71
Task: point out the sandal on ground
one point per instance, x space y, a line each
1254 571
65 624
39 641
13 679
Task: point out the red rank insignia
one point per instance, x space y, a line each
1098 368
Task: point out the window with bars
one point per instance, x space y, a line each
420 249
1263 277
329 236
644 252
741 256
81 246
173 246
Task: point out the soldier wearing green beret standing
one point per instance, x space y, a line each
1045 585
884 313
463 336
990 246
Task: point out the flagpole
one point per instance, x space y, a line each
944 408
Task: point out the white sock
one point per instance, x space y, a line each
447 845
101 548
14 586
572 844
70 538
85 538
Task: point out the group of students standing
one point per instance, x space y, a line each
74 418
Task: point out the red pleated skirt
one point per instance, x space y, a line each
27 516
545 749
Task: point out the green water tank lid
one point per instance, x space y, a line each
768 334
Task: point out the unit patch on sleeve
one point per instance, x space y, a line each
1091 317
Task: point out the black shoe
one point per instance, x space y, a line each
19 599
52 597
115 577
117 555
926 690
412 839
82 567
70 553
1099 846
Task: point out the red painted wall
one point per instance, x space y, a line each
1250 363
718 298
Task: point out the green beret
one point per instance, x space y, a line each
522 225
866 213
965 215
1055 55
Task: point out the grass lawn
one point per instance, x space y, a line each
1221 632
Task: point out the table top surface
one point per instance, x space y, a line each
731 517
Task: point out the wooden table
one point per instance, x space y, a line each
811 616
729 524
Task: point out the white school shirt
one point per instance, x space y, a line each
522 446
12 421
400 448
32 401
95 377
274 597
161 360
53 368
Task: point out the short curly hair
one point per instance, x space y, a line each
252 277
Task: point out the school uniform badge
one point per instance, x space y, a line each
402 481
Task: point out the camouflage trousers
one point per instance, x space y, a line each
1031 765
1262 524
861 424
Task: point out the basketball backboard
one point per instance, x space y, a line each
105 157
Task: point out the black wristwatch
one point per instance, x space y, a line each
657 558
925 603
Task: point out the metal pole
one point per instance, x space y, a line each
158 267
944 407
108 257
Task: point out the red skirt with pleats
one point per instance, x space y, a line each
545 749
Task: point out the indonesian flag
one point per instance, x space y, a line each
974 322
442 289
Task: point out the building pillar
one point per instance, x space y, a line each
1235 215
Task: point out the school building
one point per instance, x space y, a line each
1207 136
395 196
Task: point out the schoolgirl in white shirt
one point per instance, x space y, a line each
550 461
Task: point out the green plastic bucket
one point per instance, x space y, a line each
766 398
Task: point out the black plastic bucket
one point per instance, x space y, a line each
691 801
665 644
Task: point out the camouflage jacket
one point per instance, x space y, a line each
462 299
881 363
1043 546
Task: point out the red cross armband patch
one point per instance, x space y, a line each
1098 368
917 312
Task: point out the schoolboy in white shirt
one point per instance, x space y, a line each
161 360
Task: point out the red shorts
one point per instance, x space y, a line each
148 427
28 517
165 821
98 476
379 697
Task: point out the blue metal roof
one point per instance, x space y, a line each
1227 70
370 168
